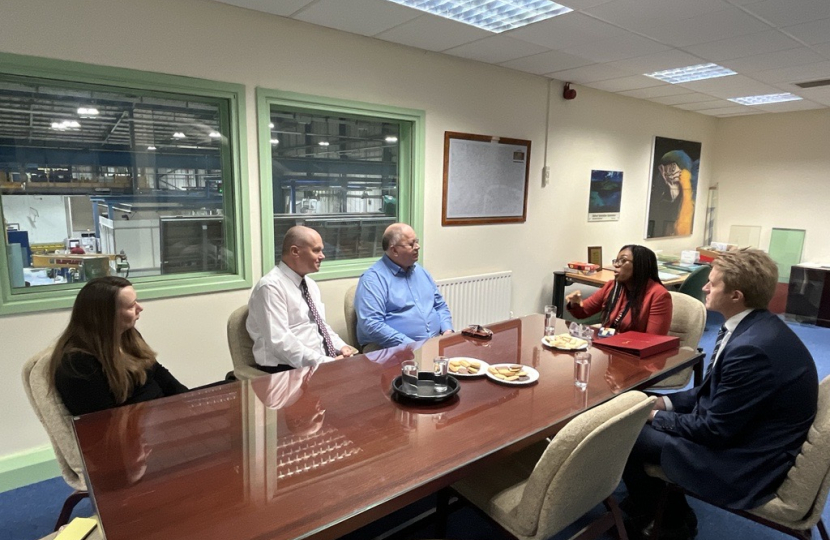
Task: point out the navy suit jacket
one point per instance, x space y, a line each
733 438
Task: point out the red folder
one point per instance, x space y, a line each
639 343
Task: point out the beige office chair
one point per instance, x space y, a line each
242 346
688 321
543 489
351 317
57 421
800 499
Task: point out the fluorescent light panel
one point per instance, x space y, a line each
495 16
766 98
691 73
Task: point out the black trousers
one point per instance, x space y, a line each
645 491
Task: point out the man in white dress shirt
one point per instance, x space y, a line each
286 317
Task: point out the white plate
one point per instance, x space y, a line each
481 370
532 374
546 344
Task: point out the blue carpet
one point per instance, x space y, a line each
29 513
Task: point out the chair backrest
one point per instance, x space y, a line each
52 413
242 346
351 316
583 464
694 282
688 319
801 497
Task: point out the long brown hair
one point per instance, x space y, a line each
93 329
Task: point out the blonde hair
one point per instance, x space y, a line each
125 358
750 271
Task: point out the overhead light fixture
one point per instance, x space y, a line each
323 143
391 139
214 135
495 16
691 73
179 135
86 112
151 148
271 125
766 99
275 141
66 125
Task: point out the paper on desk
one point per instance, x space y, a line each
77 529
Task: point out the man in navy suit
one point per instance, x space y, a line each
732 439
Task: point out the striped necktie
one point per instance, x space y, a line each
321 327
721 334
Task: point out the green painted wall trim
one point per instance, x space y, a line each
28 467
60 297
412 160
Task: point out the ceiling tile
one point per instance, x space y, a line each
655 91
707 27
496 49
741 46
730 87
640 15
582 4
818 95
736 110
795 74
621 84
588 74
283 8
789 12
657 62
365 17
682 99
823 49
617 48
703 105
566 31
433 33
789 106
811 32
547 62
775 60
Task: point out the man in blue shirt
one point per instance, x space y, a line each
397 301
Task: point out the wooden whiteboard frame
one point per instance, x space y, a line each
482 218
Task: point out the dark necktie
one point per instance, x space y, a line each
327 344
721 334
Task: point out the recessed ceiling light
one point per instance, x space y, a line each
271 125
214 135
391 139
179 135
87 112
691 73
323 143
494 15
766 98
275 141
151 148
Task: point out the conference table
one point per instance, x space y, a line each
319 452
563 278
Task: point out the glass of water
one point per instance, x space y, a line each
409 376
550 319
582 369
440 370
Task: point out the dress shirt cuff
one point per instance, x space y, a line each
667 403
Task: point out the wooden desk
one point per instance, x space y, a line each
316 455
562 279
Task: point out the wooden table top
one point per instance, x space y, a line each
318 453
601 277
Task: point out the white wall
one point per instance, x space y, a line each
43 216
215 41
773 170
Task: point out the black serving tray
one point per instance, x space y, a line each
426 392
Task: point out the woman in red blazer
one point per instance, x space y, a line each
634 300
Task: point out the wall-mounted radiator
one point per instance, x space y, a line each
480 299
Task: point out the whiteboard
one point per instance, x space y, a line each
485 179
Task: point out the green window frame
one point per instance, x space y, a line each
410 177
76 74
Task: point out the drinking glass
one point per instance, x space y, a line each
440 370
550 319
409 376
582 369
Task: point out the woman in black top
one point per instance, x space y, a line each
101 361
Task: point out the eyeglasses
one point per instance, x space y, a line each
620 262
411 245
